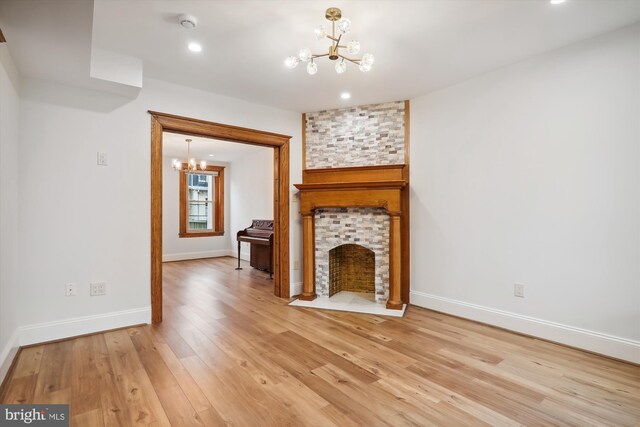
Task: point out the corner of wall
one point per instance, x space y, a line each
8 354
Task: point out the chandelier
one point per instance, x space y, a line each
190 165
343 25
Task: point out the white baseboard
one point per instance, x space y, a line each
8 353
49 331
609 345
295 289
196 255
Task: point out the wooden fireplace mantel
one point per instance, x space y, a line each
371 194
357 187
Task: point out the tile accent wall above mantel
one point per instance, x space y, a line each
368 135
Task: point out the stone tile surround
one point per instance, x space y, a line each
368 135
368 227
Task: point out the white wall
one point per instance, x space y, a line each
9 237
531 174
91 222
251 193
175 248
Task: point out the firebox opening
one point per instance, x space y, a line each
352 268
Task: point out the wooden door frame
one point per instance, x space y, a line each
161 122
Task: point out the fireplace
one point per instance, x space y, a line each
367 228
352 268
353 228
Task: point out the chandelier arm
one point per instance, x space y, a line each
331 38
355 61
319 56
338 41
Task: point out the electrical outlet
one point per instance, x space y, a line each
518 290
70 289
102 159
296 265
98 288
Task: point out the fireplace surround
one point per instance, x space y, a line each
365 227
357 190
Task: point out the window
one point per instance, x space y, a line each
202 203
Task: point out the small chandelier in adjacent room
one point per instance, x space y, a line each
191 164
343 25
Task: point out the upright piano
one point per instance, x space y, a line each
260 235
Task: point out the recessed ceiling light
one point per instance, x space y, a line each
556 1
195 47
210 155
345 95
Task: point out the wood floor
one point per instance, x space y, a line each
230 353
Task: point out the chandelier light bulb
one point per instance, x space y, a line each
291 62
304 54
203 165
364 67
312 68
341 67
320 32
344 25
353 47
367 59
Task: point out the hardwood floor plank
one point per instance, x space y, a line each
21 390
29 362
135 385
230 353
91 418
226 402
55 367
186 382
86 352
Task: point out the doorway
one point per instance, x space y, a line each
162 122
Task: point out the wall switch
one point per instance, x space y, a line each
102 159
98 288
70 289
296 265
518 290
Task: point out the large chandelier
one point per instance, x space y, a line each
190 165
343 25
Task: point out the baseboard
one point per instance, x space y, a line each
9 353
608 345
196 255
50 331
295 289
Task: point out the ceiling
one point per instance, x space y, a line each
419 45
174 145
